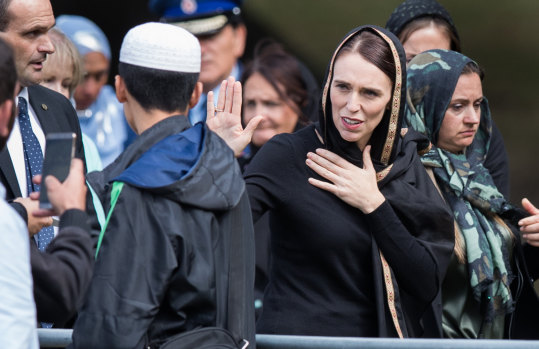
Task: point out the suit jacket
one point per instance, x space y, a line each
55 114
62 274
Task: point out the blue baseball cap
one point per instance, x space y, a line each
200 17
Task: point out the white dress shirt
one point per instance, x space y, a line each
18 326
14 143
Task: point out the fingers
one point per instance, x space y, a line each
321 166
532 239
229 94
36 179
34 195
528 206
44 213
52 183
322 185
76 166
210 106
237 99
332 157
222 95
367 162
525 222
252 125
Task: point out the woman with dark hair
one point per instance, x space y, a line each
487 292
423 25
280 89
352 255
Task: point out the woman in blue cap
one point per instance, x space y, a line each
100 114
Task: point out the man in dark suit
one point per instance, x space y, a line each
24 25
62 273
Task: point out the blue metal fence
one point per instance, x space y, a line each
60 338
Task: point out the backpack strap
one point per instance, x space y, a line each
116 190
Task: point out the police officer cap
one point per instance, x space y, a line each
200 17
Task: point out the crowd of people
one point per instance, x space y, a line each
209 199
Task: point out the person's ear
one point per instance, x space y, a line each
121 89
195 96
241 38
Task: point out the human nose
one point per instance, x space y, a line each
46 45
90 85
354 103
472 116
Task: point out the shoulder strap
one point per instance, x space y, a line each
237 278
116 190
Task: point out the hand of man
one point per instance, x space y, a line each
35 223
71 194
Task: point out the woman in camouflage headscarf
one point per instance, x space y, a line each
445 102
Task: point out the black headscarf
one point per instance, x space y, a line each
405 184
411 10
385 137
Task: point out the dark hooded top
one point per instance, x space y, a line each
327 276
497 161
162 266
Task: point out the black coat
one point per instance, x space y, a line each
62 273
159 271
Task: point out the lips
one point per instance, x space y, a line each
468 133
38 64
350 123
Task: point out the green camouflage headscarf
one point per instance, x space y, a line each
466 185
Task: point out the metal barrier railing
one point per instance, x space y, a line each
60 338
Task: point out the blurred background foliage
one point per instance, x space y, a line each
499 35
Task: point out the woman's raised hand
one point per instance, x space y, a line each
225 119
354 185
529 226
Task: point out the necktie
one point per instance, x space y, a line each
33 160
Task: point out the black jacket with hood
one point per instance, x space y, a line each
162 265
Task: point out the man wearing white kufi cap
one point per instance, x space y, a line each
178 246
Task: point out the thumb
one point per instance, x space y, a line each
528 206
52 183
252 125
367 162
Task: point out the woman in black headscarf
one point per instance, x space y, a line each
423 25
360 237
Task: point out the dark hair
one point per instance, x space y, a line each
473 68
8 72
234 19
374 49
282 71
426 21
4 16
158 89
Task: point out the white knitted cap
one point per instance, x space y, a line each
161 46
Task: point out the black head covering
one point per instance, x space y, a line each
384 140
410 10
